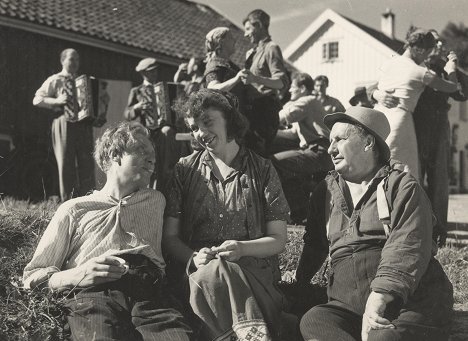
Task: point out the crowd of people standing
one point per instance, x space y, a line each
179 249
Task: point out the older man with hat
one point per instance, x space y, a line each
142 108
375 222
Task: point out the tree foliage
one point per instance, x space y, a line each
456 39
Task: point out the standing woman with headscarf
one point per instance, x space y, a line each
221 73
406 79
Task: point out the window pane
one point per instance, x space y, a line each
324 51
333 50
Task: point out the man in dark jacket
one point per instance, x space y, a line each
142 107
384 281
433 135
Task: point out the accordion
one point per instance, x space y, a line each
166 94
87 95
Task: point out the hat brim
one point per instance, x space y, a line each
149 68
353 100
331 119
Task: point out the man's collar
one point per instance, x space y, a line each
146 82
263 41
381 173
65 73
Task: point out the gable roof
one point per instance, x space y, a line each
371 36
395 44
172 29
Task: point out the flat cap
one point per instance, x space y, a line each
146 64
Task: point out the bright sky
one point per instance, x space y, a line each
290 17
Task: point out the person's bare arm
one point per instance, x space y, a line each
451 84
271 244
178 249
96 271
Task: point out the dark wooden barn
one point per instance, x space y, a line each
111 36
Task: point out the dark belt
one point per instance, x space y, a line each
141 267
142 280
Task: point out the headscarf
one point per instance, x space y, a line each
213 41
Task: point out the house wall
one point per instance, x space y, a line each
357 65
458 117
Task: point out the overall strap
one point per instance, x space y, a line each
383 207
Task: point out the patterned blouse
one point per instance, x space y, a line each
213 211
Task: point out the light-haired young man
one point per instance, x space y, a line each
103 250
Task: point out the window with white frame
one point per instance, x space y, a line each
330 50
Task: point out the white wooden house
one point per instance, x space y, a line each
350 54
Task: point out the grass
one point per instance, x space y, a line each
38 314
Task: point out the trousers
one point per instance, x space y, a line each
168 152
296 167
421 319
135 307
73 148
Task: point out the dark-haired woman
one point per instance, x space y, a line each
226 223
406 79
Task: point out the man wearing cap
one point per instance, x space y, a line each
142 108
360 98
72 140
384 281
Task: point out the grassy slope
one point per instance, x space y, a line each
37 315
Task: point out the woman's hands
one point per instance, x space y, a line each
203 257
245 76
231 250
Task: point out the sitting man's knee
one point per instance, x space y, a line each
308 322
384 335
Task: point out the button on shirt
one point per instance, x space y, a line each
238 207
95 225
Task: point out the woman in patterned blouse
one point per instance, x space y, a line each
225 223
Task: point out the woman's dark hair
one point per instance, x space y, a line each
418 37
204 99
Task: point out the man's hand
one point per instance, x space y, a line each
230 250
373 316
61 100
142 106
183 67
386 98
203 257
246 76
96 271
451 65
